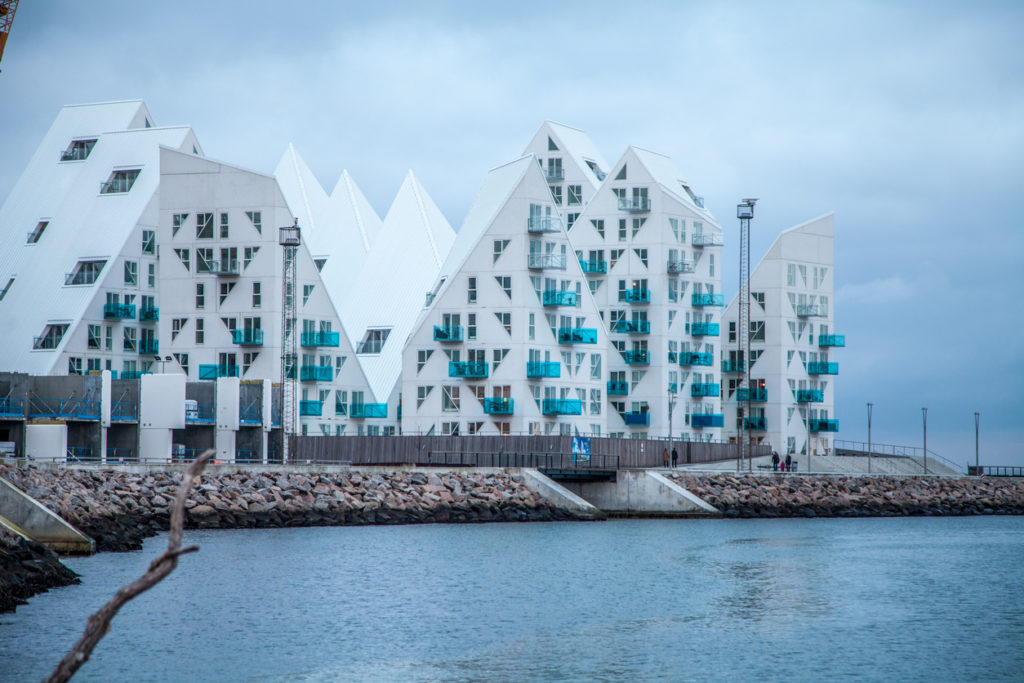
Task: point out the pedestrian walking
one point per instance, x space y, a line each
664 457
675 457
775 461
789 462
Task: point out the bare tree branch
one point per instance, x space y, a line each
98 624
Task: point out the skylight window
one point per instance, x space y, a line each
120 181
373 341
78 150
34 236
85 272
596 170
50 338
3 292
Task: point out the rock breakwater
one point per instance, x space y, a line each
27 568
838 496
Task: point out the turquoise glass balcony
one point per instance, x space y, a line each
704 389
642 419
637 296
822 368
700 420
498 406
119 311
213 371
637 357
311 408
618 388
831 340
559 297
635 204
543 224
707 299
756 394
467 369
448 333
709 239
633 326
562 406
247 337
687 358
371 410
577 335
321 338
536 369
823 425
673 357
594 266
732 366
149 313
673 387
756 423
149 346
137 374
316 373
704 329
810 395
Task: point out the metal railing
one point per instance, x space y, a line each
124 411
247 337
467 369
63 408
499 406
543 224
543 261
845 447
706 239
594 265
199 414
250 415
540 461
12 407
687 358
637 204
577 335
633 326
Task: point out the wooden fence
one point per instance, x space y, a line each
482 450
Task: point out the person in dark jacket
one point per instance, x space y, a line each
775 461
675 457
789 462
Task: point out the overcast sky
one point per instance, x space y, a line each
906 119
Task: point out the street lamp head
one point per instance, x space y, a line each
745 209
290 236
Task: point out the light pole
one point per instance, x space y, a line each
924 420
289 238
671 407
977 420
745 212
870 406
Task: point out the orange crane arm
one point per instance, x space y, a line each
7 9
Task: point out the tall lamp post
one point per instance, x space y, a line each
671 408
977 420
745 212
870 406
924 420
289 238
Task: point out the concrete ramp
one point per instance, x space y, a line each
642 493
27 517
559 495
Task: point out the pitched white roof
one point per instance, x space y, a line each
571 142
389 291
666 174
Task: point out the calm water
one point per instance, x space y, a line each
863 599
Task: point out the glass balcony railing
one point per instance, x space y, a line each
673 357
119 311
707 299
633 326
316 373
756 394
577 335
546 261
133 374
821 425
368 410
808 310
498 406
559 297
673 387
810 395
704 329
562 406
543 224
704 389
467 369
700 420
641 419
634 204
311 408
554 174
149 313
149 346
224 267
706 239
618 388
730 365
247 337
636 296
320 338
594 265
681 266
831 340
537 369
687 358
822 368
213 371
448 333
638 357
756 423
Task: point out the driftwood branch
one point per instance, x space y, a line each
98 624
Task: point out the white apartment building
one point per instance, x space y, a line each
572 165
792 368
510 340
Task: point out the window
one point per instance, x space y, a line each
151 274
374 340
34 236
499 248
642 255
78 150
471 290
257 295
183 256
177 220
223 226
450 428
450 398
204 226
570 220
505 319
131 273
130 343
200 295
574 195
422 356
204 260
108 342
595 401
759 298
74 366
533 326
120 181
498 355
790 275
421 394
732 331
248 359
552 147
505 282
256 218
149 242
637 224
556 194
93 366
95 336
200 331
711 264
471 326
757 330
85 273
307 290
598 224
3 292
249 253
176 326
225 289
621 175
622 230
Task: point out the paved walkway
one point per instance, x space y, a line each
832 464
